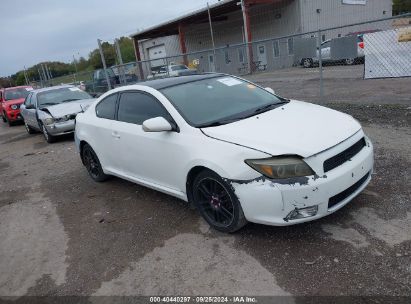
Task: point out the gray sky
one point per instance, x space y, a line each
42 30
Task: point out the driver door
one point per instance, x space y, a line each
154 157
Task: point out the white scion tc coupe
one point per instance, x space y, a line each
232 149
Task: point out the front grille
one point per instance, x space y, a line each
344 156
338 198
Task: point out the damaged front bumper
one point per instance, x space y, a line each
293 201
61 128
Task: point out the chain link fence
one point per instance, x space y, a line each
340 64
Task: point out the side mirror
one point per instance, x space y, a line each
157 124
29 107
270 90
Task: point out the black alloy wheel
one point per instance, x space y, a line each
92 164
217 203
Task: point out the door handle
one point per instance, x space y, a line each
115 134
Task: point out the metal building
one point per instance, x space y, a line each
232 22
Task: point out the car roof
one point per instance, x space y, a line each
163 83
52 88
18 87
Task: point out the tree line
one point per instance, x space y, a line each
82 64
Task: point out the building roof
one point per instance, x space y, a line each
162 83
170 27
218 12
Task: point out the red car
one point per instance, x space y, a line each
10 101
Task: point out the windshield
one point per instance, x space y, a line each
178 67
61 95
219 100
16 93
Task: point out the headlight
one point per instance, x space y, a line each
48 121
14 107
281 167
62 119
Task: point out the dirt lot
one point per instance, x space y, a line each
341 84
63 234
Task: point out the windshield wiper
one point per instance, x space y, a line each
48 104
73 99
269 106
218 123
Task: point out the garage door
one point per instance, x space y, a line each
157 52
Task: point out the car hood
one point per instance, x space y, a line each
296 128
67 108
14 101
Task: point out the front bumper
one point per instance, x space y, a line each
14 115
61 128
269 202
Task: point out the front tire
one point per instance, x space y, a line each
3 117
49 138
217 202
92 164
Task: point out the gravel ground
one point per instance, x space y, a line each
63 234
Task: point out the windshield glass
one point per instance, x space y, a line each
178 67
219 100
61 95
16 93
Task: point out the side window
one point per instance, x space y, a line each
326 45
107 107
137 107
33 100
27 100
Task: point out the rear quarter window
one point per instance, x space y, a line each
107 107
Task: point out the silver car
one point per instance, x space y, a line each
52 111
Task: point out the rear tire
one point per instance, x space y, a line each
29 129
92 164
217 202
307 62
349 61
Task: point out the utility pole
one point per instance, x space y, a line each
26 76
48 73
211 32
44 74
75 68
41 78
120 59
246 31
103 60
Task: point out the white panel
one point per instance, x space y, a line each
385 56
362 2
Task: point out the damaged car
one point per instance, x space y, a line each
53 110
236 151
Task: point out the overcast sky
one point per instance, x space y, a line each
50 30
